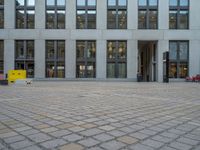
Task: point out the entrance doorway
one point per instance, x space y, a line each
147 60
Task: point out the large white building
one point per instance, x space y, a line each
100 39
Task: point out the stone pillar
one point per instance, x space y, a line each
40 18
163 45
70 17
9 55
101 14
163 14
101 59
132 52
40 58
9 14
132 15
194 14
70 59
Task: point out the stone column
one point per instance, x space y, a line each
194 14
132 15
163 14
70 18
9 14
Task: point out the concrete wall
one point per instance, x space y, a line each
101 35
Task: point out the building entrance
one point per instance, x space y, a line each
147 61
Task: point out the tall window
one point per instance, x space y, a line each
178 14
178 58
1 14
116 59
85 59
148 14
55 14
25 14
86 14
1 57
24 56
55 59
117 14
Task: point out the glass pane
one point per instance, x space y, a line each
184 3
30 19
61 50
80 70
31 2
81 2
50 70
81 16
122 2
61 70
111 19
122 70
30 50
30 69
19 2
183 24
142 2
50 52
1 2
183 51
153 21
111 52
1 50
61 19
111 2
122 19
173 70
50 2
173 19
173 2
173 50
122 50
91 70
142 19
1 18
153 2
111 70
50 19
19 53
91 50
20 65
183 70
80 48
20 19
91 19
61 2
91 2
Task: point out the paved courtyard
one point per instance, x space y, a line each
100 116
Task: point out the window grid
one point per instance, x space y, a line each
85 9
178 9
117 9
147 10
1 14
55 10
1 57
22 16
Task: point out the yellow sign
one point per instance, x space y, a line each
14 75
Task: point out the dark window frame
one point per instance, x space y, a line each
148 8
117 8
86 8
178 61
179 8
24 8
116 60
55 59
55 8
2 10
85 60
2 59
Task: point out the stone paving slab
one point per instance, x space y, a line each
100 116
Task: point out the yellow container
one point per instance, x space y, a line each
14 75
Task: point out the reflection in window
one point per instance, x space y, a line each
85 59
24 56
117 14
55 59
1 57
142 2
1 2
116 59
86 14
55 14
25 14
142 19
179 14
1 18
178 59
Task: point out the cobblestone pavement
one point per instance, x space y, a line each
100 116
